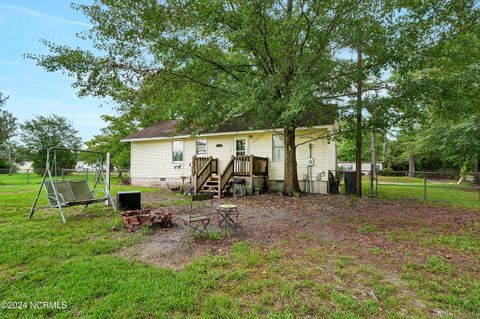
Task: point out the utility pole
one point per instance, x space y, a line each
358 131
373 170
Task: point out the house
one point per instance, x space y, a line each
25 166
162 156
84 166
366 166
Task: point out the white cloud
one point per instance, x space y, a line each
41 15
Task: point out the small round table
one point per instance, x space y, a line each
226 219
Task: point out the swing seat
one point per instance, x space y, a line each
71 193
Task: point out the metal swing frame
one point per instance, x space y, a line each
66 193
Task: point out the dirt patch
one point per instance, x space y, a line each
170 248
332 221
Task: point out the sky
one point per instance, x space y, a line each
31 89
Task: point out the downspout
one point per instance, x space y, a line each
310 179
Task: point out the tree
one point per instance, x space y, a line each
447 87
109 140
211 63
214 62
425 28
8 128
8 123
43 132
346 148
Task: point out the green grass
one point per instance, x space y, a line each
367 229
443 193
437 281
78 263
32 178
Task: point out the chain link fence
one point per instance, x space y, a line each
31 176
425 186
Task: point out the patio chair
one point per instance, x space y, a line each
200 213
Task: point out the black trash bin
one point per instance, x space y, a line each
350 179
129 200
333 183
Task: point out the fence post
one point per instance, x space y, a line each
107 179
425 188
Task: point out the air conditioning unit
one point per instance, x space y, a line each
310 161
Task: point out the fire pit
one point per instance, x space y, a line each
136 219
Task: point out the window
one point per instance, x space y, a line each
240 147
201 147
177 151
277 147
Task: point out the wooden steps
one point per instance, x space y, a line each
211 186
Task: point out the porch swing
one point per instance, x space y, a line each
63 193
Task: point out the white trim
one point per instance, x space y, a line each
206 147
183 151
221 134
277 160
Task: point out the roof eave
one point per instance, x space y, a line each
219 134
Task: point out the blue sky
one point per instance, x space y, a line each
31 89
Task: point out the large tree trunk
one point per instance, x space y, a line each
290 186
476 170
411 165
358 131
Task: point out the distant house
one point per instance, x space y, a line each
24 166
366 166
82 166
211 160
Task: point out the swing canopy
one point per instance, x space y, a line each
66 193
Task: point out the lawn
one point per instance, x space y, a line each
31 178
446 192
310 257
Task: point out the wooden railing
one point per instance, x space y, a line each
226 175
204 167
250 166
260 166
202 176
199 162
241 165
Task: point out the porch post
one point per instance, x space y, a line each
251 165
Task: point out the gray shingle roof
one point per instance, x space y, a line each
168 128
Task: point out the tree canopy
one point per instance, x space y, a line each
43 132
8 123
446 88
109 140
8 129
211 62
